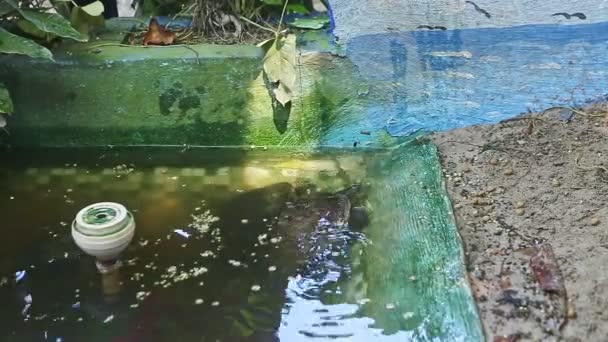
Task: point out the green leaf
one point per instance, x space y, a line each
297 8
94 9
84 22
280 67
52 23
48 22
5 8
273 2
6 105
31 29
13 44
315 23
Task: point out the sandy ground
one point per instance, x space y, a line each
521 189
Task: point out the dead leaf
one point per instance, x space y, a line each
280 67
545 269
156 35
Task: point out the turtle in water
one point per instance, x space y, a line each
312 233
318 225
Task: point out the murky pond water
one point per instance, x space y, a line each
230 245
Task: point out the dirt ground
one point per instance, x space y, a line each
529 193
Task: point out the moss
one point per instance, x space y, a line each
112 98
168 98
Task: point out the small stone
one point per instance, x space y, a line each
555 182
595 221
466 169
520 211
272 268
485 218
508 172
493 161
519 204
571 313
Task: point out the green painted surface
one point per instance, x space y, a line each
415 262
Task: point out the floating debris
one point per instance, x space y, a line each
141 295
108 319
234 263
182 233
256 288
206 254
202 222
19 275
199 301
272 268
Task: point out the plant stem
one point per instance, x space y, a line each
281 20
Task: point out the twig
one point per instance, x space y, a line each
484 147
256 24
581 112
588 168
281 20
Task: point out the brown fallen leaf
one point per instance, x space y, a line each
545 269
156 35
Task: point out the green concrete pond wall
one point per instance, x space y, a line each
100 93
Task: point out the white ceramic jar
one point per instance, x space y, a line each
103 230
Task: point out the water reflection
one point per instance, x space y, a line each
211 259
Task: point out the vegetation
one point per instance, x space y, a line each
28 27
32 27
